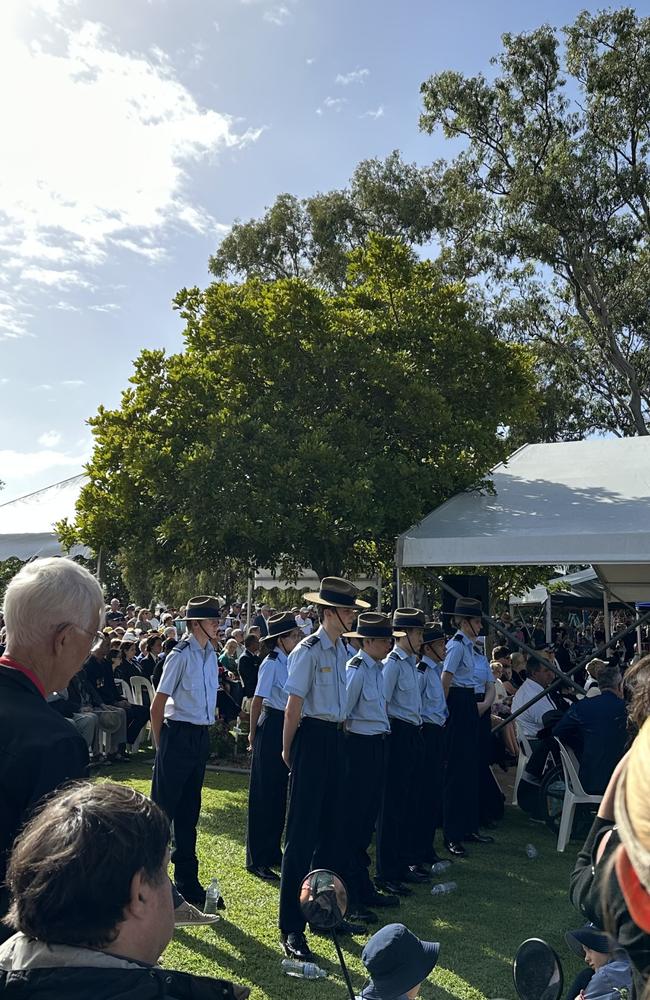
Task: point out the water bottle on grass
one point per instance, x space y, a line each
531 852
444 888
440 867
302 970
213 900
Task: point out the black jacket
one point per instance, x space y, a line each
100 675
595 729
78 983
248 667
39 750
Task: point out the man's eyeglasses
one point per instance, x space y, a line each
93 635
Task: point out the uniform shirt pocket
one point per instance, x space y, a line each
324 676
406 681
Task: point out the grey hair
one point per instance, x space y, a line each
46 593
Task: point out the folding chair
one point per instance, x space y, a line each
138 685
126 690
574 795
525 752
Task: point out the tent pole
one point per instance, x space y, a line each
249 597
398 587
378 591
608 633
98 568
549 619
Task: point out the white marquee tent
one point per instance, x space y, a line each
27 524
571 502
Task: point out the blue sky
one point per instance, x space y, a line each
136 131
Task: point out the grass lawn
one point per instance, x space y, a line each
502 898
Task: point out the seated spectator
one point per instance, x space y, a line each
539 676
397 962
100 672
152 650
115 616
248 667
595 729
167 646
238 636
92 907
610 966
128 666
84 697
86 723
593 668
518 662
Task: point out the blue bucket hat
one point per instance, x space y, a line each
396 961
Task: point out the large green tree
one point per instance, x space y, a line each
301 427
549 202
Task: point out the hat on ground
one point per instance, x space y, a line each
337 593
591 937
280 624
373 625
467 607
432 633
409 618
396 961
201 608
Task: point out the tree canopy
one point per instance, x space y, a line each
302 427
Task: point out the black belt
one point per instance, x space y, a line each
309 719
273 711
178 722
402 722
432 725
368 736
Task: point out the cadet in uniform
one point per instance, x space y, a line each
313 750
490 796
181 713
395 827
267 794
366 747
434 716
460 807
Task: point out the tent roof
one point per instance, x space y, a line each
307 580
27 524
572 502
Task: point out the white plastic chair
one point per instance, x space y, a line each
525 752
138 685
574 794
125 688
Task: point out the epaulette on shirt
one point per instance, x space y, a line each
458 637
183 644
393 655
356 661
273 655
422 666
311 640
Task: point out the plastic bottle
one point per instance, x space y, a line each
302 970
212 897
440 867
531 852
443 888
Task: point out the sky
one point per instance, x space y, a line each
135 132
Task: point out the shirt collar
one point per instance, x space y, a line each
431 663
6 661
368 659
325 640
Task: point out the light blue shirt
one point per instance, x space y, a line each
434 703
317 675
271 679
459 661
482 672
366 704
190 678
401 686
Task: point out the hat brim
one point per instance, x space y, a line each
358 635
278 635
375 990
595 938
317 599
200 618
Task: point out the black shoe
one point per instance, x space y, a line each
360 914
478 838
261 871
347 927
379 899
456 848
194 894
421 870
393 887
295 946
414 877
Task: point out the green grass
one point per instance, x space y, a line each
502 898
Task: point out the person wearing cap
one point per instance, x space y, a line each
397 962
610 964
267 794
313 751
366 750
434 717
396 860
304 622
182 711
460 807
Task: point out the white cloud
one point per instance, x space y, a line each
106 307
50 439
277 15
44 386
332 104
101 141
31 463
74 382
310 61
66 307
356 76
377 113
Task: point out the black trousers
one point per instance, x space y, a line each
430 784
136 717
178 774
490 796
267 793
460 804
396 821
312 837
365 759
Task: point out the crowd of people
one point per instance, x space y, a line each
362 726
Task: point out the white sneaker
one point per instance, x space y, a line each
187 915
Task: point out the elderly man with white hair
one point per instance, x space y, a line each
53 609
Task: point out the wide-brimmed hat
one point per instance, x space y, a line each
280 624
468 607
201 608
128 639
337 593
374 625
591 937
396 961
433 631
409 618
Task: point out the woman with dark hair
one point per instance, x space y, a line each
128 666
152 649
267 797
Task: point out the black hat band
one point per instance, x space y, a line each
336 597
375 631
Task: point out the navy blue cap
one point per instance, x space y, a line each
590 937
396 961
